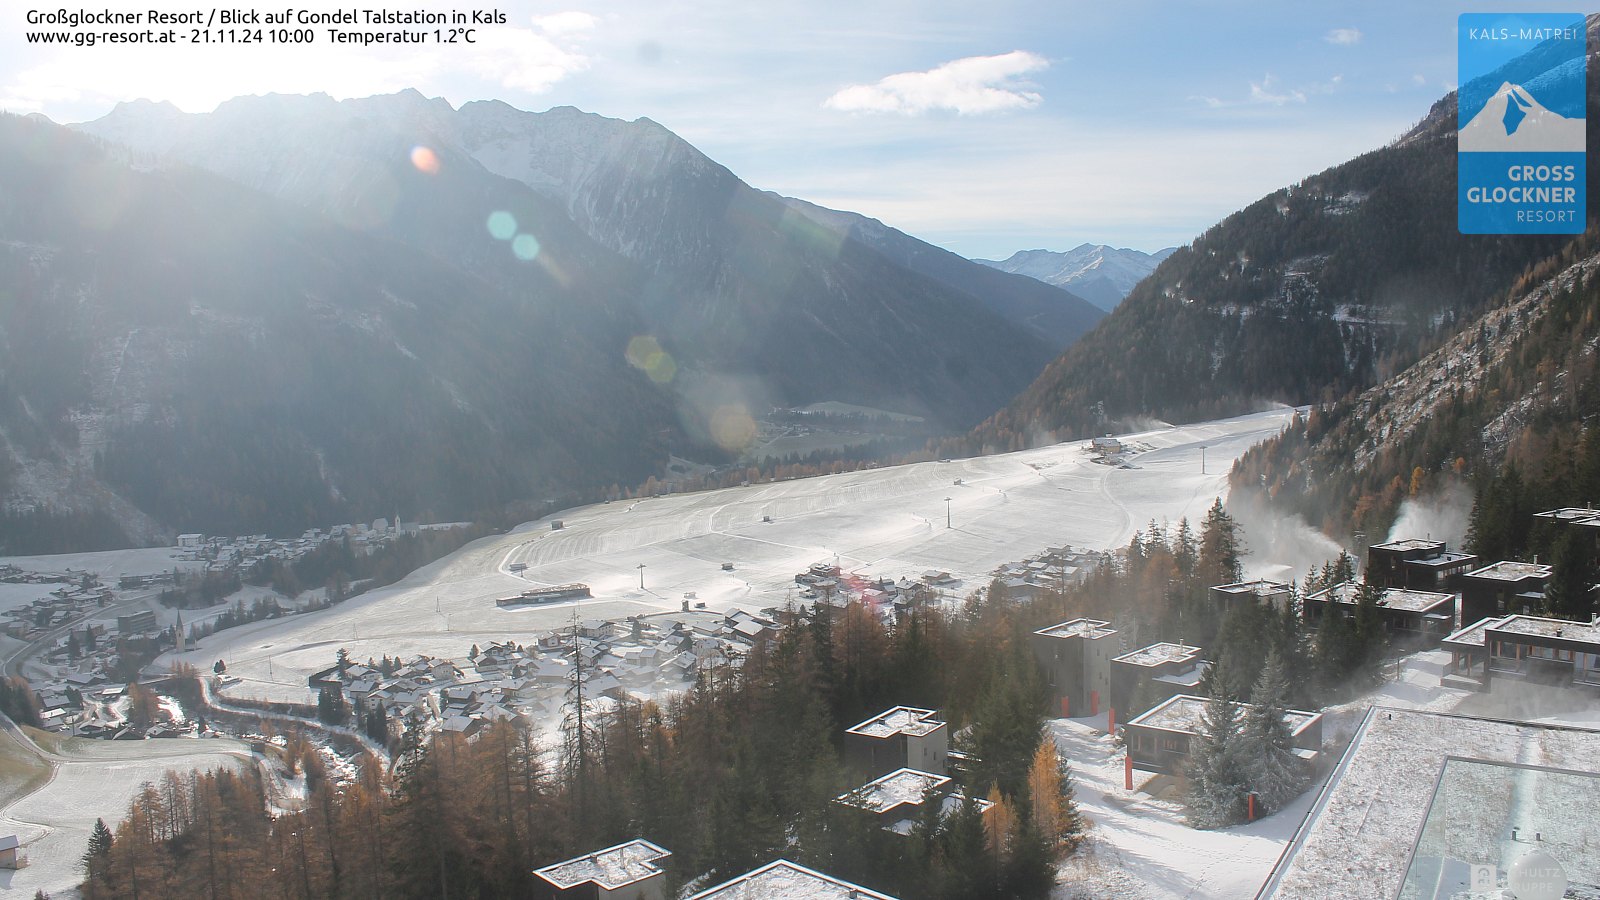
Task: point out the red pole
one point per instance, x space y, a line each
1066 707
1094 703
1127 772
1111 721
1251 799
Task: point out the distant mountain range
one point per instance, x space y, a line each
1100 274
293 311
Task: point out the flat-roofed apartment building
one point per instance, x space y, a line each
1419 565
784 880
1265 591
1076 659
1529 649
1505 588
1150 675
903 737
631 871
1159 740
1415 617
896 800
1585 520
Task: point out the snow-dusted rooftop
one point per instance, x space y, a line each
1569 514
1440 560
1185 711
1084 628
784 880
1393 598
1510 570
1536 626
1409 544
897 788
1156 654
1358 839
1473 635
611 868
1261 587
899 720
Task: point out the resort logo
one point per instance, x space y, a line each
1521 138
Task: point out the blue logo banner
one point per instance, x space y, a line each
1521 130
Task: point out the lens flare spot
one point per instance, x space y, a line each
525 246
732 428
502 225
425 160
645 354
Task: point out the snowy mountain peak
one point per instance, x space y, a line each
1101 274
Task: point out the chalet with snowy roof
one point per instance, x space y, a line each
1505 588
1076 657
1148 676
1105 444
1270 593
1528 649
897 799
1159 740
465 727
1410 617
1419 565
632 871
903 737
11 852
784 880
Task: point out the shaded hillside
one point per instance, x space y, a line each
1052 312
228 363
754 304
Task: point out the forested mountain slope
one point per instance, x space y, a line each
1321 288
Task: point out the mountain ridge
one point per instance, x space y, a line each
1100 273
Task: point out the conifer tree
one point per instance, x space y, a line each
1216 774
1273 771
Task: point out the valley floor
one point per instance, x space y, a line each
889 521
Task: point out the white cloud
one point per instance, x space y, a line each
970 86
1419 79
1263 91
1343 36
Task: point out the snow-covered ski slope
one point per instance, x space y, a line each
889 521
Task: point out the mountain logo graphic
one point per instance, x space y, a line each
1513 121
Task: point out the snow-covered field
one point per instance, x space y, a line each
887 521
16 596
108 564
95 779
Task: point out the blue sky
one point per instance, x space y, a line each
983 127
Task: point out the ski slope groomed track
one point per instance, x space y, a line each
889 521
